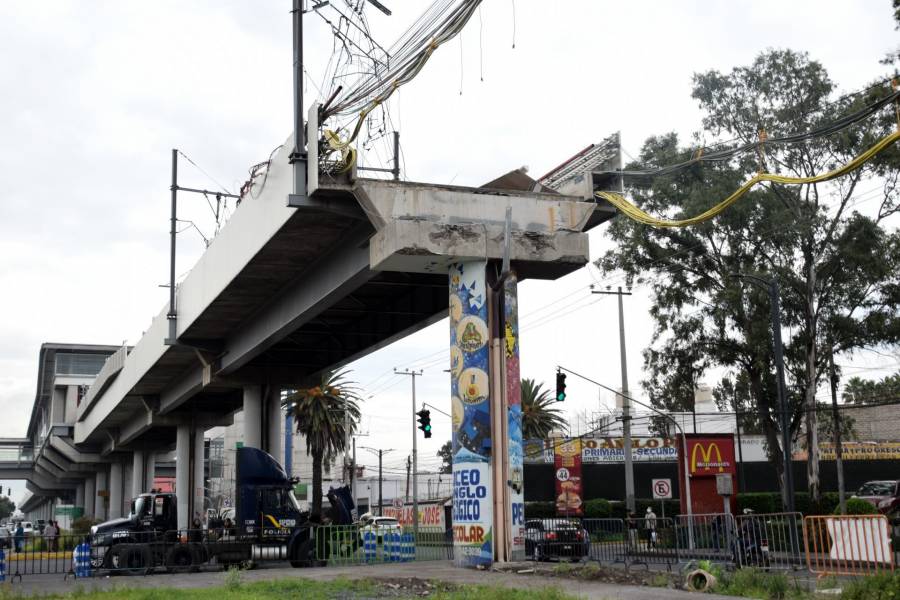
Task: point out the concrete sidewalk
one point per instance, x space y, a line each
433 570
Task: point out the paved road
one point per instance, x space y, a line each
437 570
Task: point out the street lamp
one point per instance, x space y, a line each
775 303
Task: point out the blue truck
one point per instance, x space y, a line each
269 524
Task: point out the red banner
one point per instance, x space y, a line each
567 459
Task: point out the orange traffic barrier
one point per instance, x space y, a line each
848 545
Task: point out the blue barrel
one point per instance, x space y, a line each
370 545
409 547
81 559
392 546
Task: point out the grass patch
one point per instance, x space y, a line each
283 589
751 583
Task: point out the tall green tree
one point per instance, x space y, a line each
837 268
323 413
870 391
446 455
539 417
7 507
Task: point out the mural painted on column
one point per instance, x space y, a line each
514 415
470 391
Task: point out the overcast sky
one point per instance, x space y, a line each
96 93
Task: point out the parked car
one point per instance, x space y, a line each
380 525
883 494
555 538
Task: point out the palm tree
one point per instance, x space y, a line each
321 414
538 419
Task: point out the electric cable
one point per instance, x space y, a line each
633 212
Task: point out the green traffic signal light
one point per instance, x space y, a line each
560 386
425 422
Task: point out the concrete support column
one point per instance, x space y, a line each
102 502
149 470
199 491
79 496
90 496
115 490
274 424
488 507
252 416
182 474
471 401
138 468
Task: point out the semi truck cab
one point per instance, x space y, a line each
269 524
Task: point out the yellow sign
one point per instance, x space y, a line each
705 456
862 451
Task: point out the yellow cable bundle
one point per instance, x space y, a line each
635 213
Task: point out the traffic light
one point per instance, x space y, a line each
425 422
560 386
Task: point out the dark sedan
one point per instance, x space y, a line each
555 538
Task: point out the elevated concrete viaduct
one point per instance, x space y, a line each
296 284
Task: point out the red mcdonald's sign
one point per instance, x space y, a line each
708 455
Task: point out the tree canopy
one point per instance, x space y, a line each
539 417
838 267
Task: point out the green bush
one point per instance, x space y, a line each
82 525
858 506
598 508
760 502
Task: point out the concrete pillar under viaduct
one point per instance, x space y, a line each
79 497
149 470
102 501
189 482
198 482
138 471
116 469
90 496
488 503
252 416
182 474
264 420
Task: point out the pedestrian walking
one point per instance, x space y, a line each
19 537
650 527
50 533
632 522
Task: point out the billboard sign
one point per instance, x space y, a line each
568 478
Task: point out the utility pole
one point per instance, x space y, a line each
626 402
380 454
838 449
415 482
785 419
408 466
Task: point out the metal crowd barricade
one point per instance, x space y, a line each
607 539
39 555
848 545
352 544
769 540
654 542
709 537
